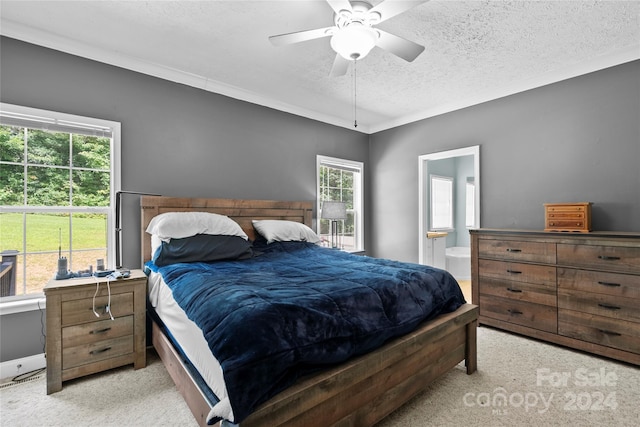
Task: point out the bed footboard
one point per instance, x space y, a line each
360 392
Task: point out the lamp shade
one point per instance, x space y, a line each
334 210
354 41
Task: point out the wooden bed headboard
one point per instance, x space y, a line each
241 211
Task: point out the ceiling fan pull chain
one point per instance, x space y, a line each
355 96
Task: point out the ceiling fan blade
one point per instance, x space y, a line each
301 36
403 48
339 5
340 66
390 8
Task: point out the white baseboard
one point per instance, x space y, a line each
12 368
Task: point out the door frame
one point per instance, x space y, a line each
423 173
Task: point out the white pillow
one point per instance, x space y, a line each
178 225
275 230
155 244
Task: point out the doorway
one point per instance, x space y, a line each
463 167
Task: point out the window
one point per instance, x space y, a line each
441 202
341 181
58 177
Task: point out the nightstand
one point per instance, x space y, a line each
80 343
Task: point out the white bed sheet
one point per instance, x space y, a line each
192 342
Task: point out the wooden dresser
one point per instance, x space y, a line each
581 290
79 342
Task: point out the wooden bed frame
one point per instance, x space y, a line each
359 392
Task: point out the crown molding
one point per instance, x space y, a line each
38 37
45 39
595 64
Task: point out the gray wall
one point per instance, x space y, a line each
176 141
21 334
576 140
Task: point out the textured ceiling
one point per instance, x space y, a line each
475 50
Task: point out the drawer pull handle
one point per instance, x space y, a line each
514 290
514 250
608 306
102 307
102 350
514 271
514 312
608 258
604 331
609 284
100 331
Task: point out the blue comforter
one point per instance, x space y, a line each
298 307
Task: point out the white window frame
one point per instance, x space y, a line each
358 193
12 114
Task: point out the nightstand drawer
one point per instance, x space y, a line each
101 350
97 331
608 258
537 316
514 250
81 310
614 333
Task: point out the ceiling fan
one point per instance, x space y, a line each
354 35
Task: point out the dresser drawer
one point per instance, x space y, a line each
608 258
616 284
535 274
81 310
88 333
614 333
515 250
565 208
101 350
566 215
600 304
528 292
565 224
535 316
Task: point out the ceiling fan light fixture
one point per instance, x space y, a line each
355 41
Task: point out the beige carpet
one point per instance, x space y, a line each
465 286
520 382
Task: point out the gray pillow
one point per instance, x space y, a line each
202 248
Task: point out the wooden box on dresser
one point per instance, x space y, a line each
581 290
79 342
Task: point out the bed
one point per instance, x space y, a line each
358 391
